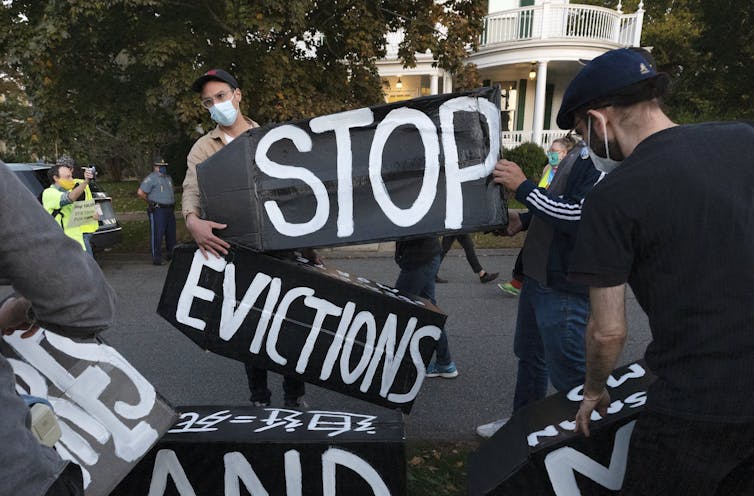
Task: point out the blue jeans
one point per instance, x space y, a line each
420 281
549 341
88 243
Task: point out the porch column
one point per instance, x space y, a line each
447 83
433 84
639 24
539 103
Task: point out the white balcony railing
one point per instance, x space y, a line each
551 21
511 139
563 21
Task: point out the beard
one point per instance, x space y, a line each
597 145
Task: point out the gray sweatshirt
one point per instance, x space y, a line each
69 295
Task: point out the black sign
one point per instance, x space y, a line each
216 450
399 170
537 451
330 328
109 414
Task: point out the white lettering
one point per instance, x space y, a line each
303 143
635 371
562 464
396 118
427 331
230 318
277 322
293 480
334 457
341 123
454 175
166 463
264 318
324 308
637 399
87 387
337 341
393 358
361 319
533 438
237 467
192 289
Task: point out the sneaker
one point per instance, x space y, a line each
299 403
509 288
487 277
448 371
489 430
440 280
260 403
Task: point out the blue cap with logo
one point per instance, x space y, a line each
602 77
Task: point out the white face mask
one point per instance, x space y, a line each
224 113
602 164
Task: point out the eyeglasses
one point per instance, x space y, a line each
220 97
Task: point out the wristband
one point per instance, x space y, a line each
597 398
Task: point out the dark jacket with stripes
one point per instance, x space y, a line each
563 213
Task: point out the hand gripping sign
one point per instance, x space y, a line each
537 451
330 328
411 168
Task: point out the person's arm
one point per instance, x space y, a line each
200 229
561 213
605 337
78 191
66 288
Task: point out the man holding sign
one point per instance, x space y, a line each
63 200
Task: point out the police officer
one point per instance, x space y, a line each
157 190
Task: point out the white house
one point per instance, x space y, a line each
531 49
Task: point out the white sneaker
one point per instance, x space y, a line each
489 430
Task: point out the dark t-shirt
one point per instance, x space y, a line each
676 221
413 253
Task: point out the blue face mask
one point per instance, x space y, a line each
553 158
163 170
224 113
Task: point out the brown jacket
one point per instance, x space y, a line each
205 147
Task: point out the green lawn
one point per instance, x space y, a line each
437 468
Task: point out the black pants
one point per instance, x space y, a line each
70 482
468 248
293 388
670 455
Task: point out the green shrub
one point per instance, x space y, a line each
530 157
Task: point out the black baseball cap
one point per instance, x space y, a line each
213 75
601 78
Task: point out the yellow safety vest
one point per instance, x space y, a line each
51 202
